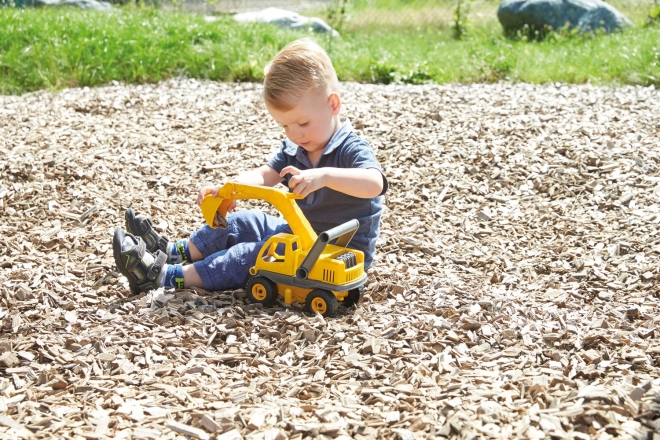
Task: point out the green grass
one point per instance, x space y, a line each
43 48
625 58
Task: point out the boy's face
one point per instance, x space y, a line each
312 122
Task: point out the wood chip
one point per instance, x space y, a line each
514 291
188 430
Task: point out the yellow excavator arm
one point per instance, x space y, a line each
285 202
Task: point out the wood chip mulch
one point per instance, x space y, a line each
514 294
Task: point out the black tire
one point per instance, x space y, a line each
261 290
322 301
354 296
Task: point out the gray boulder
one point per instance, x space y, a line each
583 15
82 4
88 4
286 19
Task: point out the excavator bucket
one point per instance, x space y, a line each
214 210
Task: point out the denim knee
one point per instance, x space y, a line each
229 268
246 226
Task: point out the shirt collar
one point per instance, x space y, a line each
335 141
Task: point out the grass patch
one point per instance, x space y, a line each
412 57
373 15
56 48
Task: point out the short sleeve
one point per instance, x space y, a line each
278 162
361 155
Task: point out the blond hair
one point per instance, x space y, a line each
302 66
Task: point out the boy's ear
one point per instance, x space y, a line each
335 103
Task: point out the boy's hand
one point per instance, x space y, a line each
213 190
204 191
304 182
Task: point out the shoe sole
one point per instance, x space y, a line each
132 226
129 217
117 240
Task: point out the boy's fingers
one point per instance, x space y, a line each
200 196
294 182
290 169
204 192
300 187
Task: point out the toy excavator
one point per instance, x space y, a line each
301 267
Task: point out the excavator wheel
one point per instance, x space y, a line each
261 290
322 301
354 296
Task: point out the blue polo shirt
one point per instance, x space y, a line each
327 208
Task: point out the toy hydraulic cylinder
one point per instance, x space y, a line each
342 233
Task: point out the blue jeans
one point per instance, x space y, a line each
229 253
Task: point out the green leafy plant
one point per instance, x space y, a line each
418 74
382 72
654 16
461 11
336 17
337 14
495 69
248 71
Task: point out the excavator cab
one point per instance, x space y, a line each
281 254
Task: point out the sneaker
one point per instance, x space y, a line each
140 267
141 226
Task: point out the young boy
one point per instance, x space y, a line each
321 159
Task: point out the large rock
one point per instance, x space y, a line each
287 19
82 4
584 15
